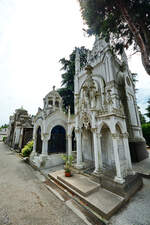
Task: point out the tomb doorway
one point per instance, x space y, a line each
38 141
57 142
107 148
87 146
73 141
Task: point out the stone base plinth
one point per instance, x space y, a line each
138 151
131 185
47 161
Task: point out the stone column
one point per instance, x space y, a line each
45 144
79 164
118 178
34 144
127 152
69 144
100 151
95 150
17 137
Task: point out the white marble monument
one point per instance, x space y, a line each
105 122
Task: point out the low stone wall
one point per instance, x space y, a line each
46 162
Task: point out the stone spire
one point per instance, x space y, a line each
88 56
124 57
77 62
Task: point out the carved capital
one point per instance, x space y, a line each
77 130
99 135
125 135
94 129
69 136
45 136
114 135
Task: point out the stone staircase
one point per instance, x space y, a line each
101 201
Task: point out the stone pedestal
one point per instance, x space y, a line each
138 151
131 185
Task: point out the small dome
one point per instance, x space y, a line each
52 100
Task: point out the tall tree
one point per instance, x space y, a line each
68 66
125 22
148 109
142 118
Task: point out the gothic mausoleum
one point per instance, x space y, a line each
105 131
20 129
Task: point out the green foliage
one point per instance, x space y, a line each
4 126
142 118
68 161
68 66
148 109
146 132
4 139
26 151
124 22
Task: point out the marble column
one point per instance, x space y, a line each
95 150
45 144
79 164
34 144
118 178
127 152
100 151
17 136
69 144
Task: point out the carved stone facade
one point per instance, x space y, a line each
105 123
20 129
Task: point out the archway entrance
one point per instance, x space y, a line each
38 141
87 146
57 142
73 141
107 147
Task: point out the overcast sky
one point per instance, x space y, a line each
34 35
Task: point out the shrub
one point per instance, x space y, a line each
4 139
146 132
26 151
68 162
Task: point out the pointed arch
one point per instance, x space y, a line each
119 125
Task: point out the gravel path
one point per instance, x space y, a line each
24 200
137 211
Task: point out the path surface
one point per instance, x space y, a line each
137 211
24 200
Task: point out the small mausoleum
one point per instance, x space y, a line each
50 135
20 129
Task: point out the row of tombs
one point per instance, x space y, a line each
104 133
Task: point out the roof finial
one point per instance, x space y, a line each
54 88
77 61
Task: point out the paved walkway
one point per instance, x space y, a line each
24 199
137 211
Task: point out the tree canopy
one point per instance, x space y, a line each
68 66
123 22
148 109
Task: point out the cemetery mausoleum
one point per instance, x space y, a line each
105 131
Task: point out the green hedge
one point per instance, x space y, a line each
26 151
4 139
146 132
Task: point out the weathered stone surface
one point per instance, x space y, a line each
24 199
100 200
78 182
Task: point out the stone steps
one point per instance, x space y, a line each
101 201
